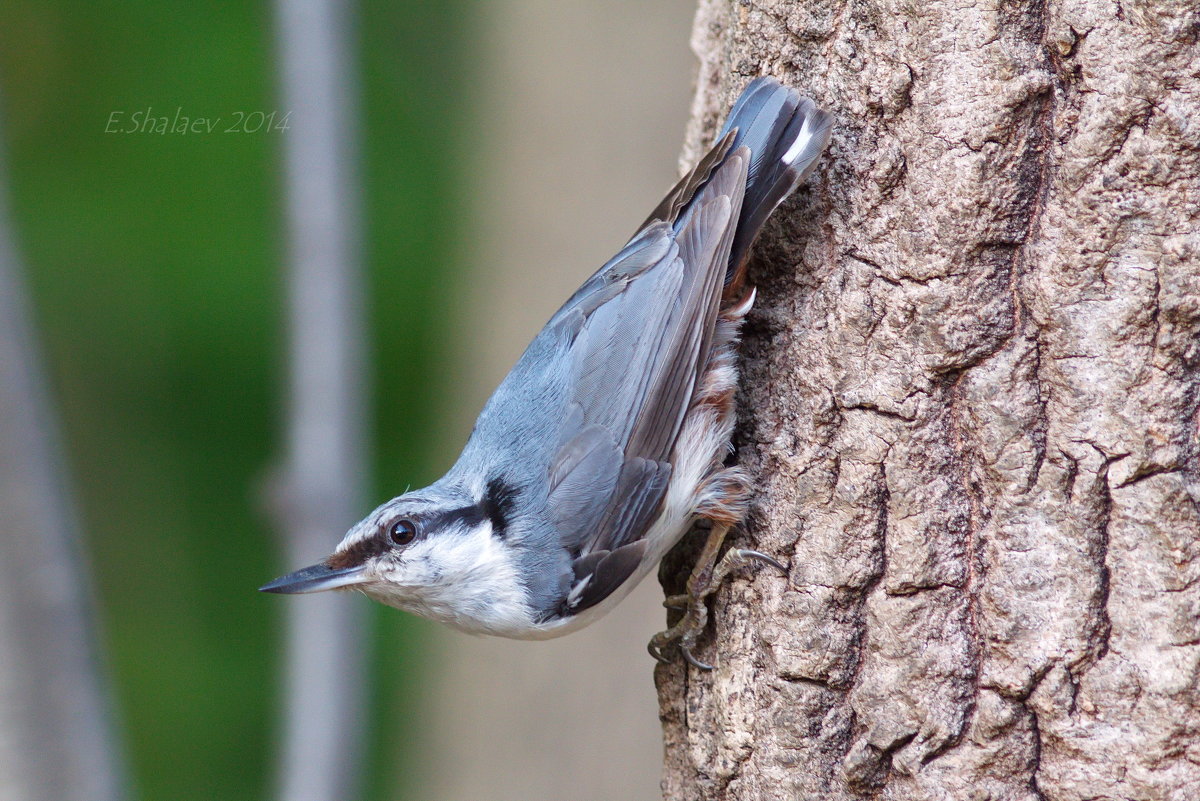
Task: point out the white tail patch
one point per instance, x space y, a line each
811 140
802 141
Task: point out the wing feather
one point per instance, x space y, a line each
582 480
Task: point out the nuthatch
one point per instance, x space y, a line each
607 441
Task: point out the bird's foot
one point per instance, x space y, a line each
705 579
684 633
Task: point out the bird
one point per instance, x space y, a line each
609 440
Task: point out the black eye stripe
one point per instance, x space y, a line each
469 516
495 507
358 553
498 504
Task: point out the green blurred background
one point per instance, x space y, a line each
505 153
156 267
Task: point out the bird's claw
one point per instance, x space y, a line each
683 634
705 579
693 661
656 651
745 555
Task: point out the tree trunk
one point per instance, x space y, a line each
970 397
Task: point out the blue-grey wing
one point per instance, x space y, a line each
639 331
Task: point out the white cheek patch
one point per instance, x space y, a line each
411 567
464 578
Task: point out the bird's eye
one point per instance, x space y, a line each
403 532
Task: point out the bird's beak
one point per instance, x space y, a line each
315 579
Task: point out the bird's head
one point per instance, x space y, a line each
434 552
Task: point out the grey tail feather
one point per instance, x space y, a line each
785 133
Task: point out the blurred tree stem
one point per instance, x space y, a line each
56 731
322 484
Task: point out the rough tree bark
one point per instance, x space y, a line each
970 398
